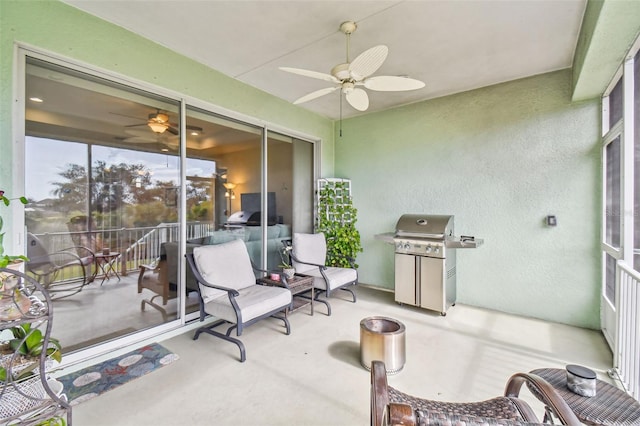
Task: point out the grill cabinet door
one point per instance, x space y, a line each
406 279
432 284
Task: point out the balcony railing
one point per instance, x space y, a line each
627 346
136 246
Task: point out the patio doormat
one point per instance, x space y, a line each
94 380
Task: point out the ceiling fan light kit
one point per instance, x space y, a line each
349 75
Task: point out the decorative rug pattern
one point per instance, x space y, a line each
94 380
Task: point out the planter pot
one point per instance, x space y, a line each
289 272
13 304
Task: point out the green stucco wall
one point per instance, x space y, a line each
500 159
609 29
55 27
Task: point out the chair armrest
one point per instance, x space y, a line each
58 259
545 391
379 394
322 267
264 271
80 248
143 270
402 414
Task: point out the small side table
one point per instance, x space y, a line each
106 264
610 406
297 285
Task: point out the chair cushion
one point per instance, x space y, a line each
254 301
337 277
226 265
310 248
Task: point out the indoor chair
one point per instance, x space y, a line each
64 272
153 277
392 407
227 290
308 255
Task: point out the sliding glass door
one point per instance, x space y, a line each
102 174
123 181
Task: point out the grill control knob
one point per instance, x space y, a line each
428 249
399 245
437 250
407 246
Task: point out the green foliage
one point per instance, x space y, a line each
30 343
336 219
53 421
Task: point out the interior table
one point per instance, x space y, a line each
610 405
106 263
298 285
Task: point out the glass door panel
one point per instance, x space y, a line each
224 176
102 174
613 214
290 182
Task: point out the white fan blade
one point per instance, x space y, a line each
358 99
368 62
315 94
312 74
387 83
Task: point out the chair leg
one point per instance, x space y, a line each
209 330
353 294
286 322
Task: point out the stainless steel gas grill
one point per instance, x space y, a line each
425 260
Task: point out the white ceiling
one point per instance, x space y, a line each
451 45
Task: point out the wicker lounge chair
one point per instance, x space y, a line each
392 407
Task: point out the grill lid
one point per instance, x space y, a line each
424 226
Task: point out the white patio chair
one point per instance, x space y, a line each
308 255
228 291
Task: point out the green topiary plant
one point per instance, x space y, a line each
336 219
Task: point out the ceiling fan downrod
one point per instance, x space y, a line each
348 27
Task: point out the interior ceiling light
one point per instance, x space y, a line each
34 99
157 127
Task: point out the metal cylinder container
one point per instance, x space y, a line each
382 339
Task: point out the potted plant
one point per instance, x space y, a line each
21 354
336 219
287 268
21 380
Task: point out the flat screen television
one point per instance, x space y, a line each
250 203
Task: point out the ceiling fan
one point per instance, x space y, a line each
351 74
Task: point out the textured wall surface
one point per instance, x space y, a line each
500 159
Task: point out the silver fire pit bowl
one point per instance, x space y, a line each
382 339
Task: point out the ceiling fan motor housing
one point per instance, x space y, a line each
341 72
159 117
